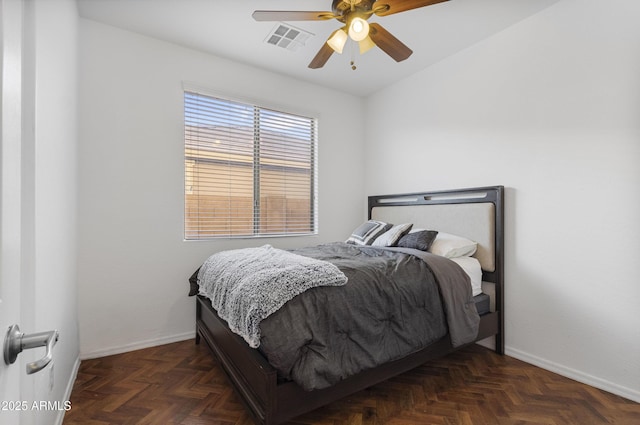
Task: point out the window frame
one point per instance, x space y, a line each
257 167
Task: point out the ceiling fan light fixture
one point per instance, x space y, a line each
358 29
366 45
337 40
353 14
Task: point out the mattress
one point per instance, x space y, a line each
471 267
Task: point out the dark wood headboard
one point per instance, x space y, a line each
475 213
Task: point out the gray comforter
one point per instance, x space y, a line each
247 285
396 302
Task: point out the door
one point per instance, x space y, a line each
13 408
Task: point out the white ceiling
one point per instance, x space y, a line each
225 28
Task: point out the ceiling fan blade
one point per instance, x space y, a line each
389 7
322 57
388 43
284 15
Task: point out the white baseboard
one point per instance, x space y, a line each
576 375
68 390
568 372
137 346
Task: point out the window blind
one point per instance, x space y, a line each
249 171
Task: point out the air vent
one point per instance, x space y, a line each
287 37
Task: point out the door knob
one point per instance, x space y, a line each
15 342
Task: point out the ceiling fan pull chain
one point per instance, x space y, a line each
353 57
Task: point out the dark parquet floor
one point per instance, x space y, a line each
182 383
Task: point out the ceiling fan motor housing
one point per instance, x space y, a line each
342 9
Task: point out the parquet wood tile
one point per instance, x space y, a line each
182 383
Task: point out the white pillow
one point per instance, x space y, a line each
472 267
452 246
393 235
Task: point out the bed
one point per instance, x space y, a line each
474 213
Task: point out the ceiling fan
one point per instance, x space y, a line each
354 14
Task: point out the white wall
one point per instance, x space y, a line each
133 262
50 196
549 108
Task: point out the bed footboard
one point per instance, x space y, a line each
270 402
252 376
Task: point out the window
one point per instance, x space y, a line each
249 171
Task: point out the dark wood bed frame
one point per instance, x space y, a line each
272 402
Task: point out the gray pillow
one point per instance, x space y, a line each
421 240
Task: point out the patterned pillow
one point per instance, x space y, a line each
368 231
421 240
393 235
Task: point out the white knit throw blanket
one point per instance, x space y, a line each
246 285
